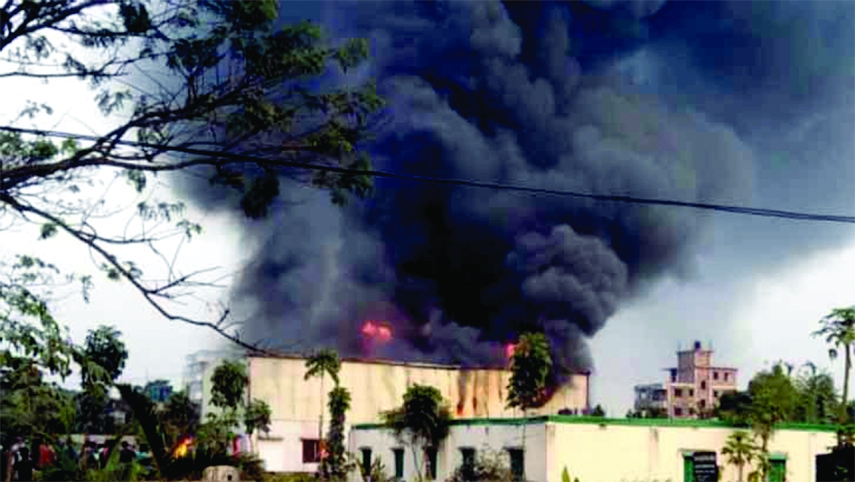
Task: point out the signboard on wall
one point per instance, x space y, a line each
704 467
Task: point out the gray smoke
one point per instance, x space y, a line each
478 91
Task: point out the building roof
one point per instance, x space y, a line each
379 361
638 422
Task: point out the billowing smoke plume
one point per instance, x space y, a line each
498 93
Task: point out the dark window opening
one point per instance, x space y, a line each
430 453
673 376
311 451
691 392
366 460
703 403
703 384
468 465
716 394
726 376
399 463
678 392
517 457
715 375
678 411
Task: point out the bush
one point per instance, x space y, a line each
489 466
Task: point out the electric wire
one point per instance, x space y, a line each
762 212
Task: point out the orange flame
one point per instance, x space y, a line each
510 348
377 331
182 448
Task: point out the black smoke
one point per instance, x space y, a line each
531 93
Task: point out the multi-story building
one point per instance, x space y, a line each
198 365
650 399
695 386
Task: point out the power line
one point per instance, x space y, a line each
774 213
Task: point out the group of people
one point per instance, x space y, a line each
22 461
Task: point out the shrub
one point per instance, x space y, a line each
489 466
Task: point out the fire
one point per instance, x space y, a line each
510 348
377 331
182 448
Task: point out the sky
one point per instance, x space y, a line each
772 82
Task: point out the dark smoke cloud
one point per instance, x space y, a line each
531 93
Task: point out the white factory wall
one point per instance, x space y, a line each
297 404
603 450
478 434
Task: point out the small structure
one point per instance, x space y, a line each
651 398
594 449
221 473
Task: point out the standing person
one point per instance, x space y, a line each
12 457
24 465
127 455
46 457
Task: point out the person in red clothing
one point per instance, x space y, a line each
47 456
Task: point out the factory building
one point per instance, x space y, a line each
297 405
593 449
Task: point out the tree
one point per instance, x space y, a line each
838 330
178 417
735 409
320 364
530 365
598 411
240 101
228 384
817 396
739 450
421 422
773 400
106 355
228 393
334 464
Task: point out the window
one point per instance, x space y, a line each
399 463
517 457
726 376
716 393
678 411
703 384
691 392
715 375
688 468
678 392
366 460
430 453
703 403
468 465
778 470
311 451
673 375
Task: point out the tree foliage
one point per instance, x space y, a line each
207 87
422 421
739 450
838 331
488 466
530 365
323 363
334 465
228 384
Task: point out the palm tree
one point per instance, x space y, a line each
739 450
838 329
322 363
